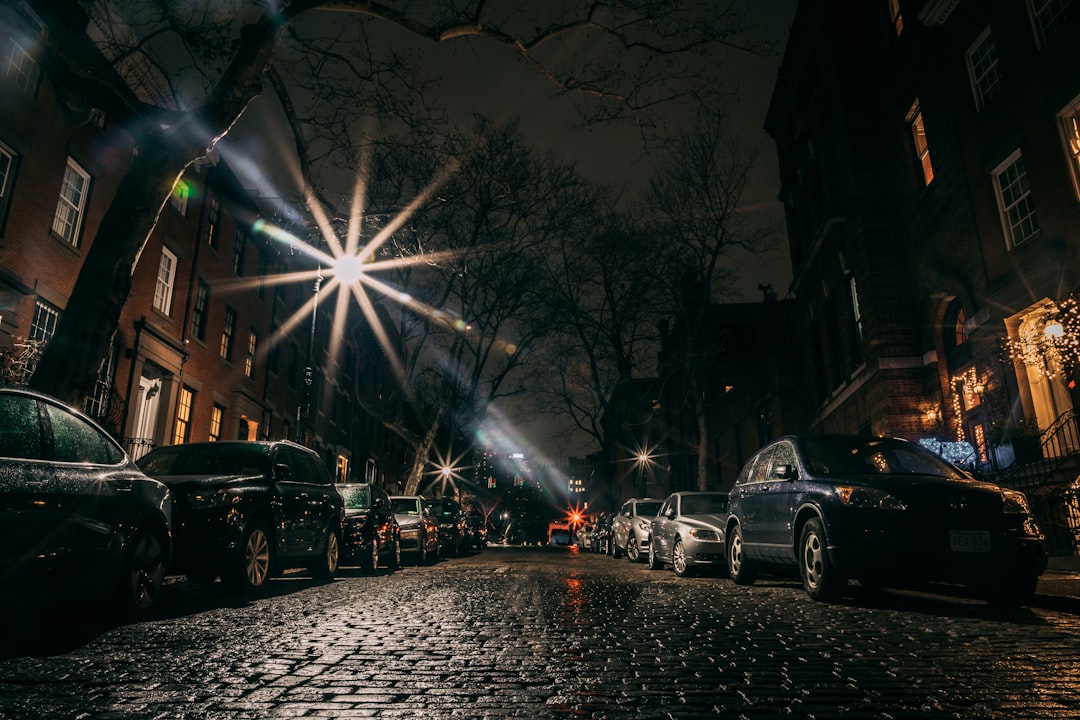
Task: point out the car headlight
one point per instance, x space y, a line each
644 525
865 497
1015 502
705 534
210 499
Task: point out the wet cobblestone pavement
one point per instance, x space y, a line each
543 633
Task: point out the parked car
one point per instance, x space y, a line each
371 532
477 529
249 510
453 526
884 511
688 532
603 533
630 529
419 532
80 524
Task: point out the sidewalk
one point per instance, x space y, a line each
1059 586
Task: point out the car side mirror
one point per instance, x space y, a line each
784 472
282 473
670 514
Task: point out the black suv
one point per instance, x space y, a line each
246 511
371 530
453 528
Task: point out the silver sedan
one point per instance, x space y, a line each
688 532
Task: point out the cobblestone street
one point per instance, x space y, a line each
546 633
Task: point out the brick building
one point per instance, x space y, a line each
206 347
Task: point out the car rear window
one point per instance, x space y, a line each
649 509
209 459
357 497
872 456
704 504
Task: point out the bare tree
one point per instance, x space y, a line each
185 72
694 205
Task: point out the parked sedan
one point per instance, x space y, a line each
419 532
688 532
371 532
247 511
453 525
884 511
79 522
630 529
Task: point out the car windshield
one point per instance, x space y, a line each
405 506
444 509
648 509
872 456
357 497
206 459
704 504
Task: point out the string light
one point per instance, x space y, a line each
1051 344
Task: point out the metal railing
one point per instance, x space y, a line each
137 447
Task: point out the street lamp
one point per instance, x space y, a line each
309 371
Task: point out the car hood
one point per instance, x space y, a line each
930 489
195 483
711 522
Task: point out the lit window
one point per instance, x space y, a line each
179 198
918 135
1014 201
1070 132
21 69
895 16
217 414
961 327
1047 16
227 333
238 253
46 318
183 415
200 310
249 360
166 278
982 59
72 203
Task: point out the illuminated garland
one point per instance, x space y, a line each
1052 344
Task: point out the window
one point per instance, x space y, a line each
72 203
1070 133
97 405
179 199
1014 201
182 431
166 277
895 17
918 135
249 360
217 415
75 440
856 327
1047 16
200 310
20 69
46 318
238 253
982 59
261 274
227 333
213 217
7 179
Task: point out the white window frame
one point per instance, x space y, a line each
46 319
1047 16
249 359
1069 124
1013 191
71 205
166 281
917 124
21 69
982 63
179 197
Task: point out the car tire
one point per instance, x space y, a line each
615 551
633 553
143 574
395 556
324 568
679 563
821 580
422 552
740 568
654 560
371 562
251 566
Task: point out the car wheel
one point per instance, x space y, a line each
325 567
821 580
678 559
251 568
654 560
395 556
422 553
143 575
633 553
740 569
615 551
371 563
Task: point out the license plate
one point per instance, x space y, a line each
969 541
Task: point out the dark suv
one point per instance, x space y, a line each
246 511
453 527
